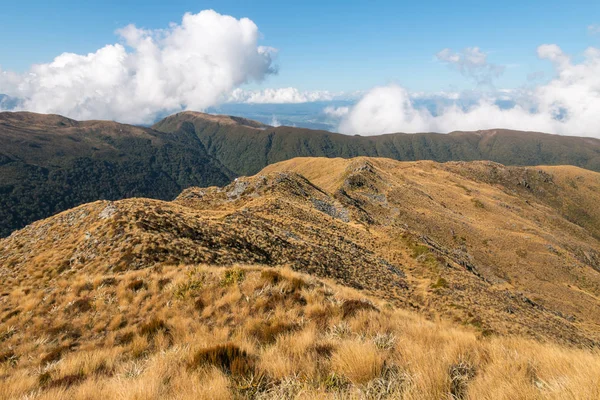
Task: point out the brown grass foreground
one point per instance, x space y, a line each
194 332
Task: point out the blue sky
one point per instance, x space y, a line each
325 45
357 67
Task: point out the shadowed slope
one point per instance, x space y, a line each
49 163
246 150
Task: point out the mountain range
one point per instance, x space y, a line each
50 163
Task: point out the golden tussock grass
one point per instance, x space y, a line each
263 333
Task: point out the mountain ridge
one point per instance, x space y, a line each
393 229
330 278
49 163
256 149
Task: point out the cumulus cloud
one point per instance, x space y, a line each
191 65
278 96
472 63
568 104
594 29
336 112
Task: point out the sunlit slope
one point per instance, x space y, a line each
481 244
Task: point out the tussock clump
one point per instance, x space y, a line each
137 285
154 327
289 284
81 305
53 355
63 382
351 307
6 356
199 304
108 282
267 332
271 276
10 314
460 375
124 338
227 357
359 362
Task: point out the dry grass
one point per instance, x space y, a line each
152 343
176 300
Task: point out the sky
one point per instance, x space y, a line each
385 57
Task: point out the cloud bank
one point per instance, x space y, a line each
191 65
569 104
287 95
336 112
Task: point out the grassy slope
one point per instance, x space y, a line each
124 298
195 332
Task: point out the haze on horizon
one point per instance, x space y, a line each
349 67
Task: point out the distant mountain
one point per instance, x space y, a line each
49 163
246 150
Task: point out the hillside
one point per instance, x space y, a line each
245 150
49 163
319 277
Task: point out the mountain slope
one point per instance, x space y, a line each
478 243
245 150
49 163
125 297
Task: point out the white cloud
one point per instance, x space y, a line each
278 96
192 65
336 112
274 122
594 29
568 105
472 63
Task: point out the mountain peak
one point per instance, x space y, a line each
31 119
197 117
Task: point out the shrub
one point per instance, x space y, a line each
233 276
440 283
184 289
477 203
419 250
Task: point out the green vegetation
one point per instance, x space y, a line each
49 164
